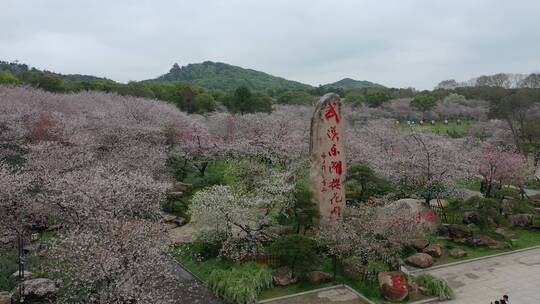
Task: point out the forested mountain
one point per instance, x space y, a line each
222 76
19 69
348 84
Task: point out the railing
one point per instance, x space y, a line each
445 215
262 259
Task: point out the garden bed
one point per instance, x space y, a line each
203 269
525 238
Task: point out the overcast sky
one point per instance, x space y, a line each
397 43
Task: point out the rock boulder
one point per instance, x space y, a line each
459 231
470 217
5 298
458 253
433 250
38 291
393 286
182 187
419 244
505 233
26 274
521 220
319 277
283 276
420 260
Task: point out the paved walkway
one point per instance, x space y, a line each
478 282
332 295
190 290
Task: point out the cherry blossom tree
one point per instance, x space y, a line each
372 232
497 165
422 161
92 164
242 213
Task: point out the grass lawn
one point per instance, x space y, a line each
452 129
533 184
201 269
470 184
525 238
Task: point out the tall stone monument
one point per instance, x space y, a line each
327 158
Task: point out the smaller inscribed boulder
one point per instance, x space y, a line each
393 286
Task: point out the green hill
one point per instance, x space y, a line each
222 76
348 84
19 69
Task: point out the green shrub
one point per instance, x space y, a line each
296 98
363 183
298 252
177 206
487 210
205 249
8 265
504 191
408 250
424 101
453 97
355 98
305 211
436 286
242 284
376 266
522 206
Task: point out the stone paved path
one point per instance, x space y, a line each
478 282
335 295
190 290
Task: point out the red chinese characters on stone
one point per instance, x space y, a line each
431 216
324 187
336 212
336 199
336 167
331 112
335 184
332 133
333 151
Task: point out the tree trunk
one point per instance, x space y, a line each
249 237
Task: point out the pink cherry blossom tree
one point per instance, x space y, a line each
92 164
413 157
500 166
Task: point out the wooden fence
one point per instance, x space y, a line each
262 259
446 216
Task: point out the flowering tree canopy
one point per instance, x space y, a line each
243 212
92 163
418 159
497 165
